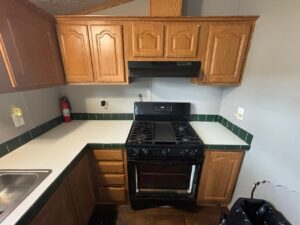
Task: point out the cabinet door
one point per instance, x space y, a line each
31 45
7 81
107 52
59 209
82 190
219 175
182 40
227 48
148 39
76 53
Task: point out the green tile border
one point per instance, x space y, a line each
24 138
102 116
241 133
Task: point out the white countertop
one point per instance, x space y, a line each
57 148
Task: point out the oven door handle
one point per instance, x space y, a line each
166 162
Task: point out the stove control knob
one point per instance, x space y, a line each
134 152
192 154
164 153
144 152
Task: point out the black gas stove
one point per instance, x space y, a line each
164 155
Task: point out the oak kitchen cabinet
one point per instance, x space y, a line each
29 48
219 175
111 176
92 54
74 200
170 40
226 53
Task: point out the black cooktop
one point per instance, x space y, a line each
162 133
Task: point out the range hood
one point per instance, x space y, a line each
164 68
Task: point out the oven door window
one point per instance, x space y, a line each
164 178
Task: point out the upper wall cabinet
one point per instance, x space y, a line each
148 39
227 48
31 52
107 52
75 49
182 40
165 40
92 53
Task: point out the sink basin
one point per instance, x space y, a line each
15 186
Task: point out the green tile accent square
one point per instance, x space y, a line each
210 118
129 116
35 132
115 116
249 139
99 116
13 144
3 150
25 138
229 126
194 117
84 116
224 122
216 118
75 116
44 128
220 119
245 147
202 117
236 130
107 116
243 134
92 116
122 116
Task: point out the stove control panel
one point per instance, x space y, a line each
165 153
162 108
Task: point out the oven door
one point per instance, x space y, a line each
163 179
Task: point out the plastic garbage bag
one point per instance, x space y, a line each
246 211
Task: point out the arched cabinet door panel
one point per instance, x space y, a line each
182 40
107 53
219 175
227 48
76 53
148 39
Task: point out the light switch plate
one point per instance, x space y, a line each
240 113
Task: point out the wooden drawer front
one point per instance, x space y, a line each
111 179
112 194
111 167
108 154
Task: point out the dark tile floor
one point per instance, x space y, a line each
124 215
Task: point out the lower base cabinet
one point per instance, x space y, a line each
74 200
219 175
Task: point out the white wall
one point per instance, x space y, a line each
38 107
120 98
134 8
270 94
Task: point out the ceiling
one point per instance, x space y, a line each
61 7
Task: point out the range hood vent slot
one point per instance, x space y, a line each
164 68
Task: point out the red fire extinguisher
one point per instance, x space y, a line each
65 109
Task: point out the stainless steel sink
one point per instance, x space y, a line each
15 186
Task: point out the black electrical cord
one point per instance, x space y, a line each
256 184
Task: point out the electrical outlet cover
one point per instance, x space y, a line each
18 120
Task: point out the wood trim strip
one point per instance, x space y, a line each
7 63
101 6
91 18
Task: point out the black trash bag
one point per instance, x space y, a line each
247 211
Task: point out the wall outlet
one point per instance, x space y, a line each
240 113
103 103
17 117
